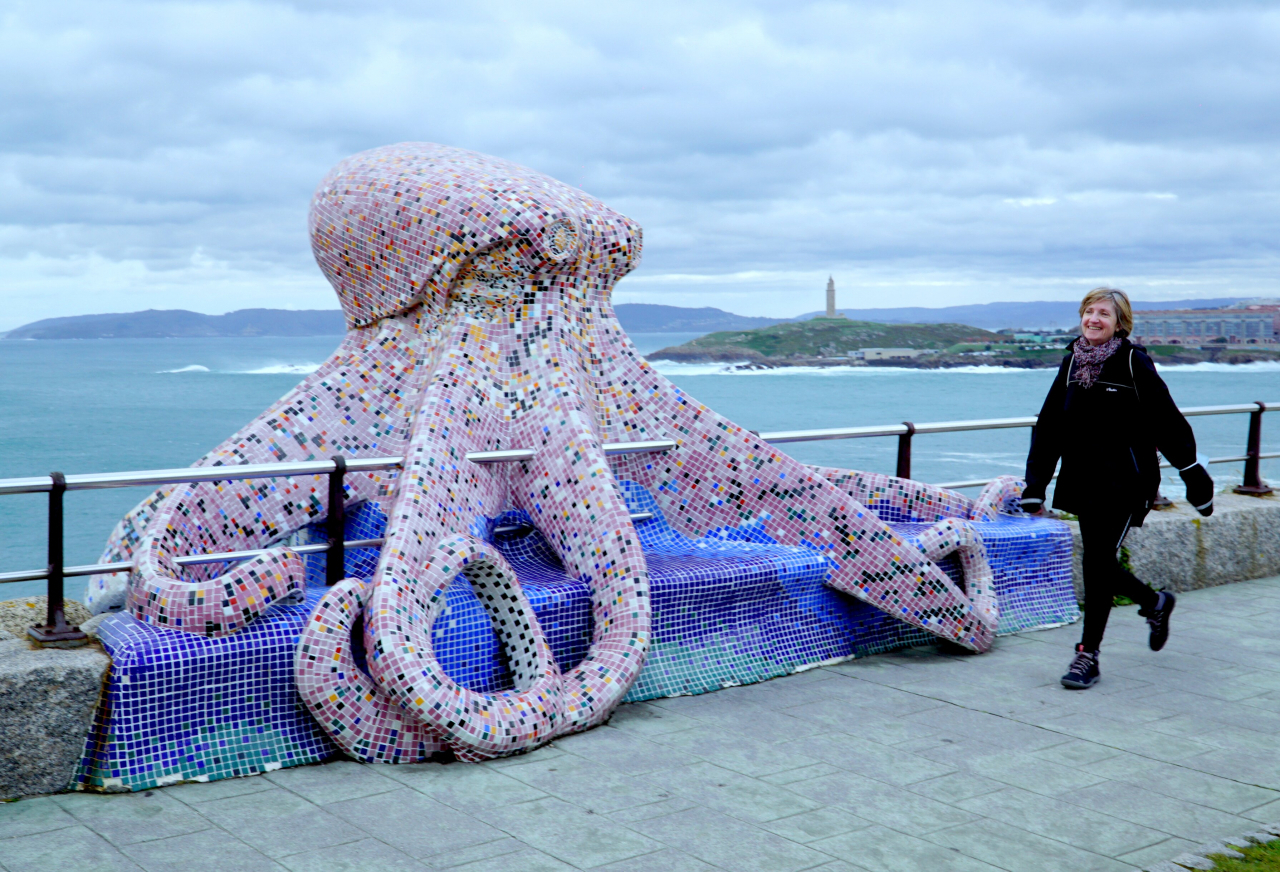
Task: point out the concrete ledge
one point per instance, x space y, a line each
47 700
1176 549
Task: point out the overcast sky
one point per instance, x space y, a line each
163 155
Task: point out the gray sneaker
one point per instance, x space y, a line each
1084 672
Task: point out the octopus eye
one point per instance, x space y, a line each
560 239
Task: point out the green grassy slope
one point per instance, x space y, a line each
836 337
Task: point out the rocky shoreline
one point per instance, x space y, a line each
746 359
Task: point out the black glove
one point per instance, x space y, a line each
1199 488
1031 504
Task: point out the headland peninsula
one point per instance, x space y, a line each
845 342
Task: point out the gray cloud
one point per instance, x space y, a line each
162 154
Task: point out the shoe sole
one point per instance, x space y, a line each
1079 685
1151 643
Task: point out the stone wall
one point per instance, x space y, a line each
1176 549
47 700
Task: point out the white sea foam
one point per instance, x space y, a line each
667 367
269 369
280 369
1256 366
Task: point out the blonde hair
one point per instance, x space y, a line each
1118 298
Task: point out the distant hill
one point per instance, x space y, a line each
179 323
822 338
996 316
171 323
635 318
650 318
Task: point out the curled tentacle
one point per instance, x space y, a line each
357 404
160 594
402 611
898 498
1001 496
960 535
346 702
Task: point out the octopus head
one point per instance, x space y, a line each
396 227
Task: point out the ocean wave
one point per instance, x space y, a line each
269 369
1206 366
279 369
667 367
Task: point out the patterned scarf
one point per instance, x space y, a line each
1089 358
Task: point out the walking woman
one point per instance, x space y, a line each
1106 415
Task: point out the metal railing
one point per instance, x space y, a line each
56 630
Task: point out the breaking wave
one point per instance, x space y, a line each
270 369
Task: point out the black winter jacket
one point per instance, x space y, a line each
1107 436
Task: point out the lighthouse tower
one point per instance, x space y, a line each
831 297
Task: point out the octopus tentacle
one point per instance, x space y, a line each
332 412
570 493
354 711
475 724
958 535
725 476
1002 496
910 500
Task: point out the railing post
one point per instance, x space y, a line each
335 525
1253 484
904 451
56 632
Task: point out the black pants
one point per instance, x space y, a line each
1102 532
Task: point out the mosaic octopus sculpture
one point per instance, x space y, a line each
477 299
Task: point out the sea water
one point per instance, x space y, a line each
129 404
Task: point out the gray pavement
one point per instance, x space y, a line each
907 761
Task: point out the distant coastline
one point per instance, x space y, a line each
181 323
635 318
843 342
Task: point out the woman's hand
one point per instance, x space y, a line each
1199 488
1032 506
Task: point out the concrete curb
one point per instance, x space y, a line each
47 700
1176 549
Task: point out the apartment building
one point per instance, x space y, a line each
1252 325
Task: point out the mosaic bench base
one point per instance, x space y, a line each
728 609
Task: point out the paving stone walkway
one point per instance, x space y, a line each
908 761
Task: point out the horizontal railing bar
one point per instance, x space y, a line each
506 455
987 424
99 568
232 556
1164 464
185 475
228 556
782 437
24 575
1233 409
36 484
957 485
612 449
238 472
